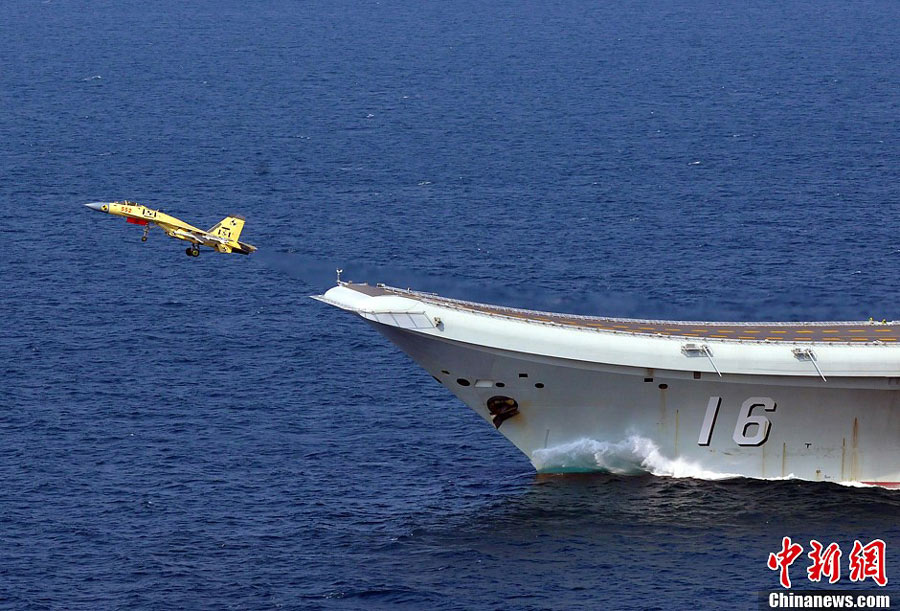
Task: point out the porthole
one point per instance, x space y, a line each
499 384
539 385
463 382
444 371
663 386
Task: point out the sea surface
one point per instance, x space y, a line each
196 433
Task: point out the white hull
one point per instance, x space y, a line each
764 413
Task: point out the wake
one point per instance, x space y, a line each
632 456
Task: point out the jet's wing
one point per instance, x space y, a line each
213 241
201 237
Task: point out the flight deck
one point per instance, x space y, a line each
872 332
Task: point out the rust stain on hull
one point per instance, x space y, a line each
784 459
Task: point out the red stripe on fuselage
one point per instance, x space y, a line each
136 221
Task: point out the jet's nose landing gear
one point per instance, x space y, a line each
192 251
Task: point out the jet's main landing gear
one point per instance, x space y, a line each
146 231
192 251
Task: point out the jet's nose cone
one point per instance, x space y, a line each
97 206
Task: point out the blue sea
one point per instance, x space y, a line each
196 433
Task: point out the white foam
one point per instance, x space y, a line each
630 456
637 455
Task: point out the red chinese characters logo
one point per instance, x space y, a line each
866 561
826 562
784 559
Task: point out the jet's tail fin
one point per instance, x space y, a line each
229 228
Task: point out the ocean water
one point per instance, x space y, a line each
198 434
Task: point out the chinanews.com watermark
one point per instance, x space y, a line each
866 563
830 599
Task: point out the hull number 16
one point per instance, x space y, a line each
745 421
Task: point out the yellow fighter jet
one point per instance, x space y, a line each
223 237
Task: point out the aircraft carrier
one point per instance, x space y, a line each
814 401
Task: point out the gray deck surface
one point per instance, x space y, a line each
850 332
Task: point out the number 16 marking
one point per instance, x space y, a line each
744 421
709 420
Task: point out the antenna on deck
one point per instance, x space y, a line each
339 275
